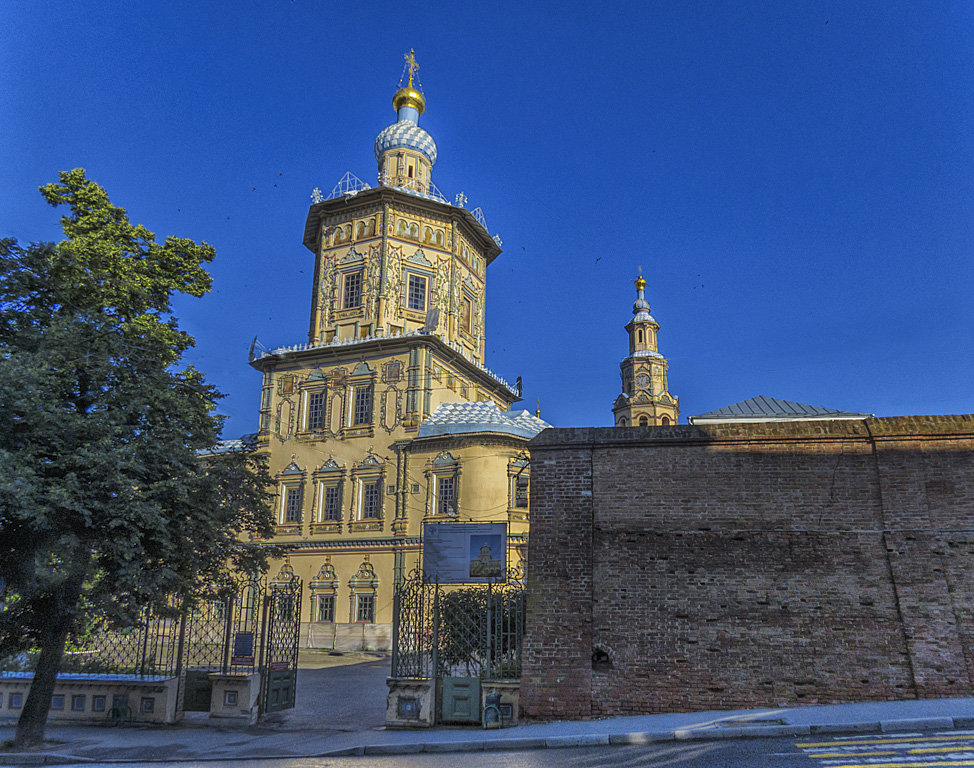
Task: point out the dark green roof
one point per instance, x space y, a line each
764 408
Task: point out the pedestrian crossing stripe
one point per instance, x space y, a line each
915 751
897 740
937 764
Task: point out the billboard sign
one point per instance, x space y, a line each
465 553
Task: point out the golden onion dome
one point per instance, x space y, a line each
409 97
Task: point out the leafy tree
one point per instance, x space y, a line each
104 502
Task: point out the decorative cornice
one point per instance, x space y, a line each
346 346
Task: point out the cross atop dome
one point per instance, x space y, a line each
409 97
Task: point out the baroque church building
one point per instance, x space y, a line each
387 418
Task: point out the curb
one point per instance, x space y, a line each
710 733
707 733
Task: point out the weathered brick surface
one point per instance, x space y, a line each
750 565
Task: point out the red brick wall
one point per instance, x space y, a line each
750 565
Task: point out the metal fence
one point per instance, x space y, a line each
458 631
243 625
149 648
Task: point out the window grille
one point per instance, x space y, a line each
331 503
371 499
416 293
292 505
365 608
316 411
521 492
352 295
446 495
362 413
326 607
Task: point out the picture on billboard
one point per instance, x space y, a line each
482 559
465 553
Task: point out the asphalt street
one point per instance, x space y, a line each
893 750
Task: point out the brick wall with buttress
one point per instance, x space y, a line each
725 566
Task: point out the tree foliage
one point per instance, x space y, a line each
104 501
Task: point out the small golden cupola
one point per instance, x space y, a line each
645 401
642 328
404 151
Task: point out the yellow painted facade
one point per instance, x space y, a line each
396 331
645 400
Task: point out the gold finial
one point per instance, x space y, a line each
640 282
410 95
537 411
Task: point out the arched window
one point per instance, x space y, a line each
665 421
622 421
643 421
639 335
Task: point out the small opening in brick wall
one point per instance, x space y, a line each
601 661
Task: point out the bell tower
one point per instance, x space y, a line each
645 401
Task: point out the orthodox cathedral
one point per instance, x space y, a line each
387 418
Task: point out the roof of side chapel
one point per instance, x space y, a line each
484 416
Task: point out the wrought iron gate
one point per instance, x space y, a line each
279 645
458 636
247 626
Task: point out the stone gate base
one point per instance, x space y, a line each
411 701
93 698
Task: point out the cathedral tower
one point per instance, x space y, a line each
387 418
645 401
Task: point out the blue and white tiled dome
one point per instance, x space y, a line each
406 135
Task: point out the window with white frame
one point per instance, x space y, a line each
316 411
326 607
362 405
330 503
416 292
352 290
446 495
291 504
365 608
371 499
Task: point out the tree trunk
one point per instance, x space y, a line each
33 717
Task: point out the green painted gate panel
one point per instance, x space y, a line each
197 691
280 690
461 700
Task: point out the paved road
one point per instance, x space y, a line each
904 750
339 698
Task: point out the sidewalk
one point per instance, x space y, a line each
310 733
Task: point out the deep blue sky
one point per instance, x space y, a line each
796 179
